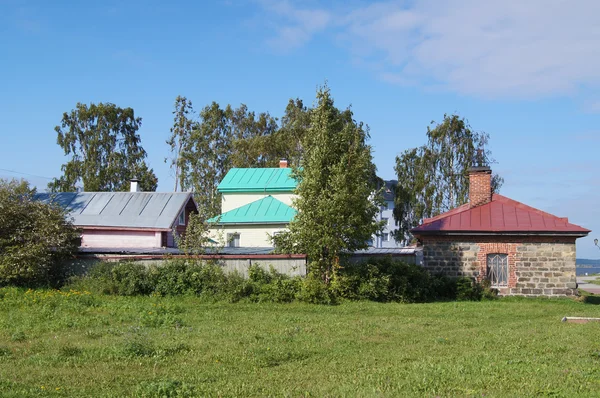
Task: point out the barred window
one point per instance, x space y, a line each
497 269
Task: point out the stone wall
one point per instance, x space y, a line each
537 266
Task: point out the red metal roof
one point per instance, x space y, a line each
501 215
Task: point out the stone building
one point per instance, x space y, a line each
520 249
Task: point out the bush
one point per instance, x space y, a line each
383 279
35 238
380 279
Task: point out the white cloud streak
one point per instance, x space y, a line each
490 49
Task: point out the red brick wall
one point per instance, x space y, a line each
480 187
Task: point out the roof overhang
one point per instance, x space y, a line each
225 224
121 228
499 233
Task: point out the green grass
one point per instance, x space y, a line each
77 344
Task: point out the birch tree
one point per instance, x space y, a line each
105 150
181 134
434 178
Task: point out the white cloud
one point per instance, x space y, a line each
296 25
511 48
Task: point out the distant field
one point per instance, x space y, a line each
77 344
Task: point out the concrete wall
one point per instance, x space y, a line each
250 235
232 201
290 265
537 266
115 238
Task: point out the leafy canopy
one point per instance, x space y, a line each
336 213
105 150
434 178
35 237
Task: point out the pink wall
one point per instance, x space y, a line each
111 238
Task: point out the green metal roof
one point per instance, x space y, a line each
258 180
267 210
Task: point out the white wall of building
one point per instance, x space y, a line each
114 238
232 201
250 235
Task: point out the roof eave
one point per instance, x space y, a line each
577 234
252 223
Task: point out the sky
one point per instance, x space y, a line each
526 73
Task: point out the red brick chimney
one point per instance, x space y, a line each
480 186
283 163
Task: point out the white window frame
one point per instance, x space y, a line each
181 218
385 237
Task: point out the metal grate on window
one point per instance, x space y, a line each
497 269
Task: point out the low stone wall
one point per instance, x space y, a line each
537 266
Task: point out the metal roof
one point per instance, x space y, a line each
258 180
148 210
501 215
267 210
389 190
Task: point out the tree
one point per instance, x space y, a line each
181 133
206 157
35 237
434 178
335 185
105 149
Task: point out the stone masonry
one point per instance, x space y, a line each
537 265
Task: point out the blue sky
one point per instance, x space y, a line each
527 73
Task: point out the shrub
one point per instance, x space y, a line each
313 290
35 238
131 278
383 279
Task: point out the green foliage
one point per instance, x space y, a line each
434 178
130 279
386 280
335 184
197 233
105 150
35 238
181 132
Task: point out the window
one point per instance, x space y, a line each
181 220
385 220
385 237
384 206
497 269
233 240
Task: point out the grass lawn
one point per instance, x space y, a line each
77 344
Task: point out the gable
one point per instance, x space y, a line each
267 210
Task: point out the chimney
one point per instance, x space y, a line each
283 163
135 185
480 186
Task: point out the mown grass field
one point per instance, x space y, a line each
78 344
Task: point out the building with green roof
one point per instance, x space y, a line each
256 204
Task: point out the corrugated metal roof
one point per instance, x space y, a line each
263 211
152 210
501 215
258 180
